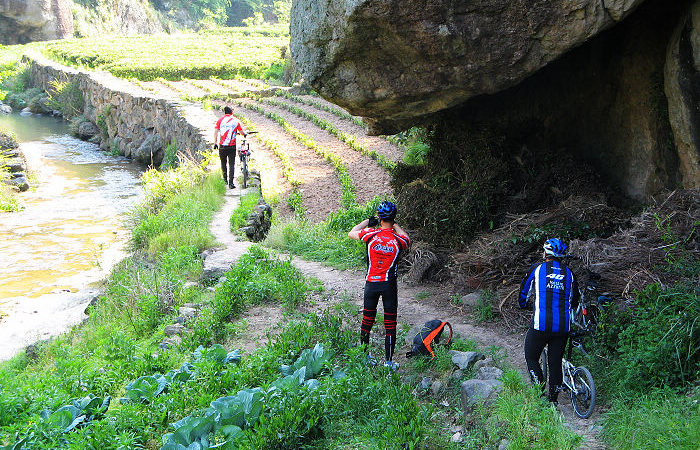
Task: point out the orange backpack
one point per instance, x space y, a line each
428 335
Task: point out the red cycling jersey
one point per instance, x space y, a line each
228 127
383 248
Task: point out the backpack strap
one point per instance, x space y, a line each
429 338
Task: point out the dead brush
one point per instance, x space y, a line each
627 259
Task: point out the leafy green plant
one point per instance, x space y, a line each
246 206
66 97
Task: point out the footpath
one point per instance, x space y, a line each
415 308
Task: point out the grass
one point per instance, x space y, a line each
654 420
225 53
243 210
327 241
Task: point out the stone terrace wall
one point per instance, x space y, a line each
126 114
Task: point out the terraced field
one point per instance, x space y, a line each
320 157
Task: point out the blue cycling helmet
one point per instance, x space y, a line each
555 248
386 210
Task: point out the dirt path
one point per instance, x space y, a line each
417 304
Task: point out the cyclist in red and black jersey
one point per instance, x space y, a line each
384 246
225 132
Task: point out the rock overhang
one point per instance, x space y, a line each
394 62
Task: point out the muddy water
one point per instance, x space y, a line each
70 233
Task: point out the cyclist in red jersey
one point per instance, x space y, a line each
225 132
384 246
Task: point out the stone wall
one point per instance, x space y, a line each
128 116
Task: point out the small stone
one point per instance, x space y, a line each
464 360
457 437
489 373
471 299
91 305
187 313
488 361
436 387
174 330
171 342
425 382
504 444
457 375
26 112
456 428
179 319
595 429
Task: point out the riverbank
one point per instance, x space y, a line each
67 238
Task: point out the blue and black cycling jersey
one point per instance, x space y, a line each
555 290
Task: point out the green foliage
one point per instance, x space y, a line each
525 419
67 98
653 420
224 54
170 160
248 203
259 277
326 241
655 343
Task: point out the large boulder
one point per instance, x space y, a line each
150 151
23 21
392 61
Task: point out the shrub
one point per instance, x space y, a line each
67 98
654 343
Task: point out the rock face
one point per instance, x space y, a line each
392 61
682 88
130 121
23 21
543 75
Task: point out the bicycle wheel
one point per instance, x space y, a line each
245 172
544 366
583 392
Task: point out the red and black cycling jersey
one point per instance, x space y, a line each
228 127
383 248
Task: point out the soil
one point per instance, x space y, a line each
417 304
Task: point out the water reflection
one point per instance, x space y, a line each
72 227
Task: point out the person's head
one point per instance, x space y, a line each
228 110
554 248
386 212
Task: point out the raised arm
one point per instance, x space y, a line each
355 232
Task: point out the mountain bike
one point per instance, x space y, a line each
577 380
243 155
587 314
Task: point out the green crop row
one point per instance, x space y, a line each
347 188
322 106
288 171
189 55
349 139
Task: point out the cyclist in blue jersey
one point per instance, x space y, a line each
553 289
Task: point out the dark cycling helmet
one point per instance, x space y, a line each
386 210
555 247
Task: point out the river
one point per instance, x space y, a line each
71 232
